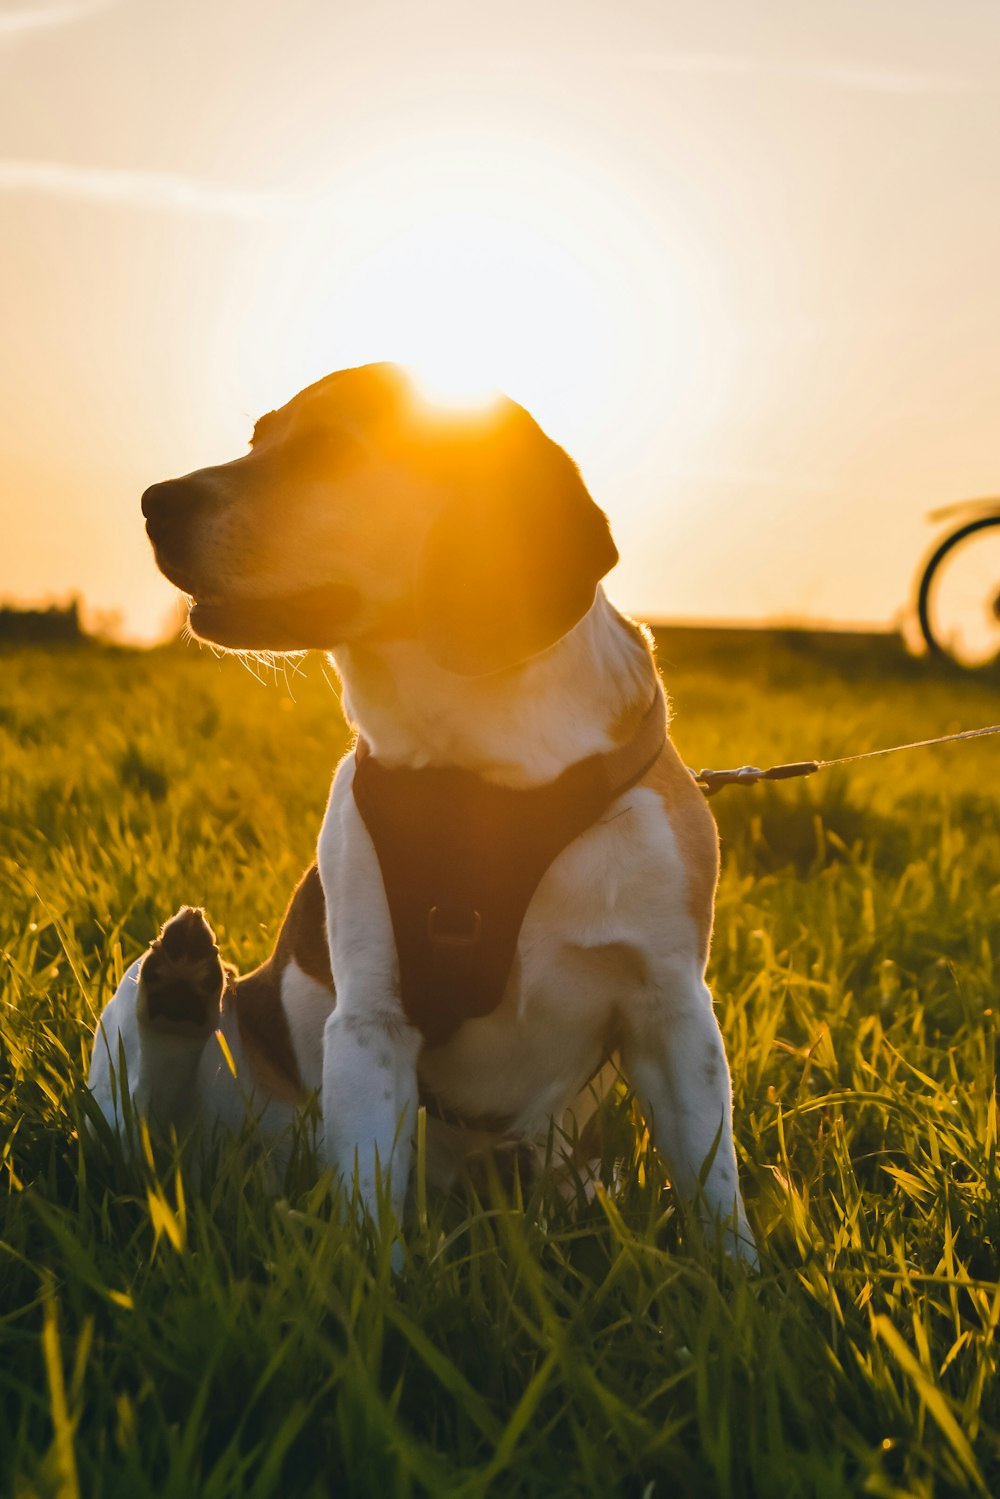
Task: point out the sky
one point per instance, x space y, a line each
741 259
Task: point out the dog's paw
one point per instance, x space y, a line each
182 978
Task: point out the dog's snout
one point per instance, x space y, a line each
168 508
149 497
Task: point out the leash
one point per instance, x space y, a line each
711 781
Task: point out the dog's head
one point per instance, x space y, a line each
360 512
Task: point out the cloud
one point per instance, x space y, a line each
855 78
29 19
161 191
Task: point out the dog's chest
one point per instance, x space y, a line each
581 961
554 1027
602 908
461 858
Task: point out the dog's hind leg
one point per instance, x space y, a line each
163 1014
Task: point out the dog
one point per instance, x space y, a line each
515 874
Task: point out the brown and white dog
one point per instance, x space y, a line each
451 565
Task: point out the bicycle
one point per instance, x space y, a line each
955 580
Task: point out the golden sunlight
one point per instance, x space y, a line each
483 268
469 300
453 383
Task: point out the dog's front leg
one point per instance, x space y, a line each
369 1103
370 1050
676 1060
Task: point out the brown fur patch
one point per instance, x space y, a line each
696 834
260 1013
303 931
267 1044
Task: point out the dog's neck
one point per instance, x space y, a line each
520 727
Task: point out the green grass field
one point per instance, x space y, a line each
162 1334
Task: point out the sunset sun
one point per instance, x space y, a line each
453 295
481 268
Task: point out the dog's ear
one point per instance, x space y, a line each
513 560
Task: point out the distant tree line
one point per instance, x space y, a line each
57 625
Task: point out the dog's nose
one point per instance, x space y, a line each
167 508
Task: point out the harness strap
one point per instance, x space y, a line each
461 858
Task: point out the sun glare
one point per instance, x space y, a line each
475 302
453 383
481 268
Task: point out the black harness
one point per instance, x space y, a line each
461 858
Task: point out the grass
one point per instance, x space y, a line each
169 1333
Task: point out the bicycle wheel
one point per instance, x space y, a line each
959 598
